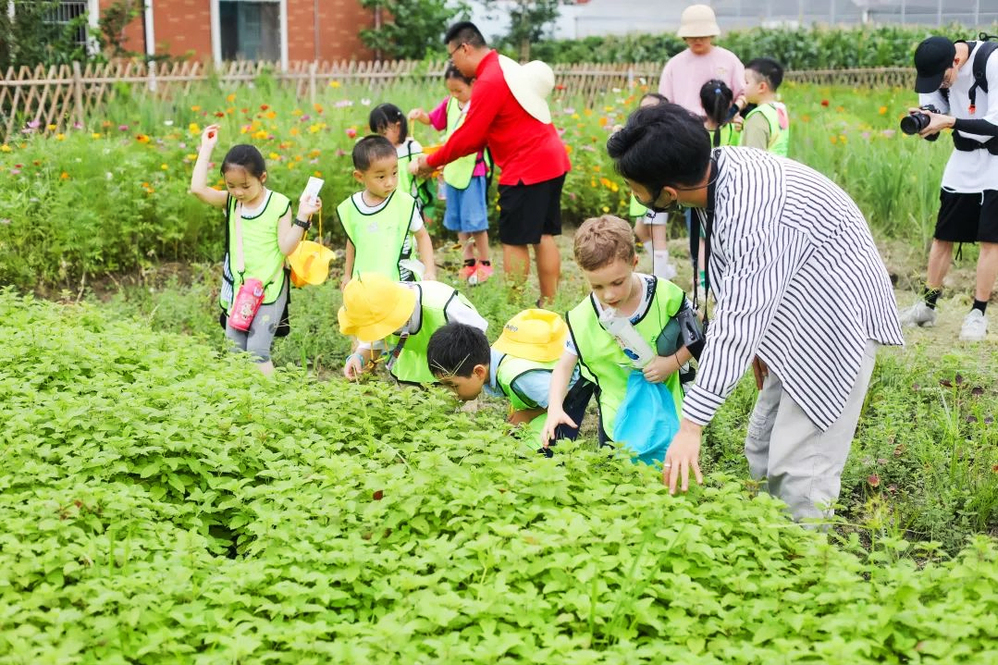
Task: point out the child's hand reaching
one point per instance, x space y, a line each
354 367
556 416
209 137
419 115
308 206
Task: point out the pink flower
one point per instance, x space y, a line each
35 124
351 132
343 103
122 128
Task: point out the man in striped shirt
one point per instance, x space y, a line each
802 296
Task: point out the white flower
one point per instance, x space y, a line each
168 123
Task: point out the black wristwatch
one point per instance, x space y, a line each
305 224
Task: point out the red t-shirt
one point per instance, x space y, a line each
527 150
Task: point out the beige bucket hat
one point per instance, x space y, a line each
698 21
531 84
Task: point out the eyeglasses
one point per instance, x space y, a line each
450 54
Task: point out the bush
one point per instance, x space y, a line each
796 48
162 503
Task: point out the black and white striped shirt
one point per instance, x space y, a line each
798 281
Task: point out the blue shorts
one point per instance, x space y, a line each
466 211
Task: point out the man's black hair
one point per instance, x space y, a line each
768 70
455 349
465 32
384 116
370 149
661 145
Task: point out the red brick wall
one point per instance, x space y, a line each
183 26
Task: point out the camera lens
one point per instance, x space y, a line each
914 123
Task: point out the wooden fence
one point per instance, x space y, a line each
65 95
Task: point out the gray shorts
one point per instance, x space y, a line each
260 337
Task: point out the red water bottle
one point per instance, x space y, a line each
247 303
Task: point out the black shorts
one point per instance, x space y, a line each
967 217
526 212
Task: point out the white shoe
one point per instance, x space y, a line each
975 326
919 314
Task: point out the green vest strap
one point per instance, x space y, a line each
379 239
601 359
458 173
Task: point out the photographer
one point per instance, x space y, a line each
954 93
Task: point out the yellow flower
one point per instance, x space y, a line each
261 134
5 148
164 167
291 165
314 129
882 110
191 157
231 98
297 112
842 138
317 174
60 137
51 128
95 135
606 209
334 84
575 116
273 156
194 128
142 138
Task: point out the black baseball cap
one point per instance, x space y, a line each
932 58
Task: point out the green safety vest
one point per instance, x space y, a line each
508 370
262 255
432 298
458 173
381 235
601 359
727 135
636 209
406 182
779 126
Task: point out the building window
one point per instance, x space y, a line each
75 14
250 30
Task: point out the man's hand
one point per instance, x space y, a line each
760 370
937 122
682 457
419 168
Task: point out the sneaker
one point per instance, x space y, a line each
919 314
975 326
483 273
466 272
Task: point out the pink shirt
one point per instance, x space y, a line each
685 74
438 120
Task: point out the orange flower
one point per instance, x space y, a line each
882 110
142 138
63 176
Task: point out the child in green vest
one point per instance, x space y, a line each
767 126
259 234
398 319
652 228
382 220
518 367
466 180
604 250
389 121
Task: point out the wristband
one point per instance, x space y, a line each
304 224
363 361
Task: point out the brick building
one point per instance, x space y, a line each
275 30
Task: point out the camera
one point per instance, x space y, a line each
915 122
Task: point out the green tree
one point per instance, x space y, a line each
34 37
410 29
529 21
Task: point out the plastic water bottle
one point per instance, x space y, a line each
634 346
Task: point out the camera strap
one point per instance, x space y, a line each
704 219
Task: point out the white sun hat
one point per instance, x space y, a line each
531 84
698 21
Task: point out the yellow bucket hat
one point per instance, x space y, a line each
309 263
374 307
533 334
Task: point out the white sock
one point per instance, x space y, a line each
661 267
